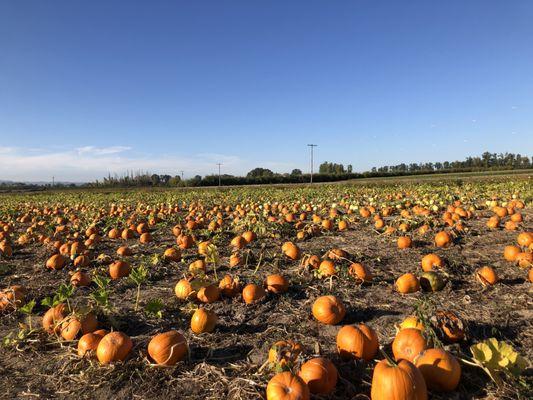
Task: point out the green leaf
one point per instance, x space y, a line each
28 307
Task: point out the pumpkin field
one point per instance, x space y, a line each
384 290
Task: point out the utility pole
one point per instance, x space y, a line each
181 175
219 164
312 146
53 181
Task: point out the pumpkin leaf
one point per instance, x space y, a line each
498 357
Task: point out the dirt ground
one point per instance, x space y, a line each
227 364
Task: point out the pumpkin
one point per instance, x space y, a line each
12 297
203 321
287 386
357 341
431 261
208 294
443 239
408 344
326 268
276 283
449 325
404 242
172 254
238 242
89 342
291 250
252 293
229 286
407 283
320 375
440 369
431 282
510 252
249 236
114 346
360 273
57 261
486 276
284 353
119 269
124 251
183 289
328 310
53 318
167 348
402 381
80 278
197 267
73 325
127 234
525 239
411 322
524 260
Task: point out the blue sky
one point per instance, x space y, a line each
88 87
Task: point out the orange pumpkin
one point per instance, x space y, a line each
431 261
408 344
287 386
167 348
253 293
90 342
440 369
203 321
276 283
291 250
119 269
402 381
486 276
407 283
328 310
443 239
404 242
510 252
114 346
320 375
208 294
359 341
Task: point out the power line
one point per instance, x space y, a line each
312 146
219 164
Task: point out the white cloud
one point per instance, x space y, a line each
89 163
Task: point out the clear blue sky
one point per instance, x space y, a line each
88 87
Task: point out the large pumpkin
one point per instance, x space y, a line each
287 386
320 375
114 346
408 344
440 369
359 341
167 348
402 381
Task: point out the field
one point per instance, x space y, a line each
199 237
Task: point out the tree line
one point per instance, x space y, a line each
327 172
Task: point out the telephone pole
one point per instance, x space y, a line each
181 175
219 164
312 146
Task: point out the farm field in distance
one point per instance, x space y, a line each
421 263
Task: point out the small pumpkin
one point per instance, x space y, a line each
443 239
208 294
408 344
276 283
56 262
360 273
431 261
253 293
320 375
404 242
229 286
89 342
283 354
431 282
114 346
291 250
203 321
357 341
287 386
80 278
119 269
486 276
183 289
328 310
167 348
407 283
440 369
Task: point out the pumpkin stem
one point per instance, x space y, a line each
389 360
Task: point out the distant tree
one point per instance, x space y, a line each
296 172
259 172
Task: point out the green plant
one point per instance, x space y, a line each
101 294
28 309
154 308
62 295
138 276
